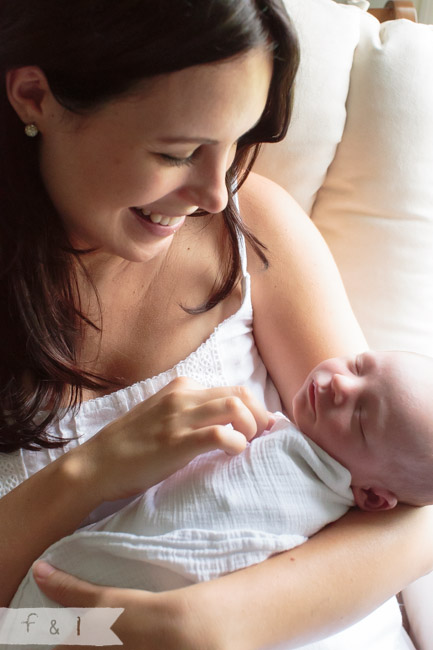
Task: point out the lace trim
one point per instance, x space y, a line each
12 472
204 366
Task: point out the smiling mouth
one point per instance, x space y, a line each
159 219
312 395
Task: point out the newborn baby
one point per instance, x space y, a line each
372 414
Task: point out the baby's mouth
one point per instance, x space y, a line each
159 219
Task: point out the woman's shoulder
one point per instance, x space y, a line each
262 199
275 218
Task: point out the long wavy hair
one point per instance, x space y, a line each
91 52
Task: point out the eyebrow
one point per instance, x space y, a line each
186 139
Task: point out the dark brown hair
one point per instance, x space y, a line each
92 51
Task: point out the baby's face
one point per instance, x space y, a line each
363 408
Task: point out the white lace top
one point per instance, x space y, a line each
228 357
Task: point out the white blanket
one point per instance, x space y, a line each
216 515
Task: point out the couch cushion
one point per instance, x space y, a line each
328 35
371 195
375 208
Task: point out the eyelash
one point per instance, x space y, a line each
357 366
177 162
358 371
181 162
360 421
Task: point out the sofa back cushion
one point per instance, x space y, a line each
328 34
373 200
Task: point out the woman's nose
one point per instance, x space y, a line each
213 196
207 187
343 388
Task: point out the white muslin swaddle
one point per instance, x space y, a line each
216 515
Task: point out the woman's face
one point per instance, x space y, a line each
125 177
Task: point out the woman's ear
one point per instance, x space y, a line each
28 90
374 498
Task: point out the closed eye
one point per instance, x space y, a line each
358 366
177 162
360 421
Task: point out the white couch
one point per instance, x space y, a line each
359 159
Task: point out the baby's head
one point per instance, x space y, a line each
374 414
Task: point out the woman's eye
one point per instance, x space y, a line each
177 162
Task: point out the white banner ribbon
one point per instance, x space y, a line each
51 626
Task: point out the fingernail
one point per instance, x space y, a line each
271 421
42 570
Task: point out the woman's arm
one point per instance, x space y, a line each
306 594
49 505
134 452
301 311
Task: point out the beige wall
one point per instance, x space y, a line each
376 4
423 7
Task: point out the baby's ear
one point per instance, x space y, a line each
374 498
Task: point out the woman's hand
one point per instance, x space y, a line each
165 432
150 621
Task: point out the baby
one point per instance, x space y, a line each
370 441
372 414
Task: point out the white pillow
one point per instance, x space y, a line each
375 208
328 35
375 203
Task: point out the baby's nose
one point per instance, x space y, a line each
343 388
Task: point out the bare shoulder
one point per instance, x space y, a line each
258 189
277 220
266 206
258 193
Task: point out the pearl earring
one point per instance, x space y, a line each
31 130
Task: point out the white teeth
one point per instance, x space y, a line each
160 219
164 221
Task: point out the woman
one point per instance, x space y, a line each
123 255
